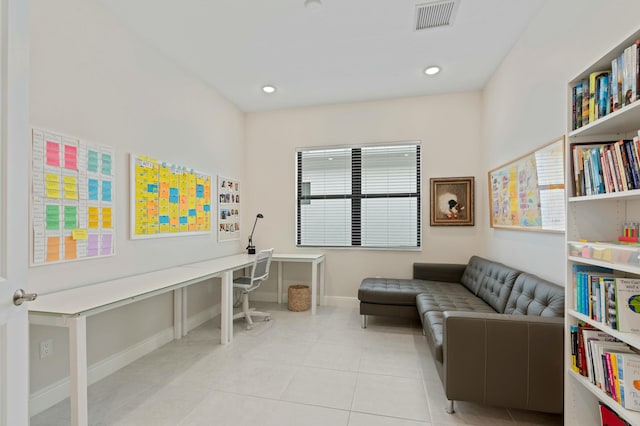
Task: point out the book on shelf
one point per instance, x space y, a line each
585 102
616 83
605 372
605 298
573 331
606 167
608 417
606 91
629 380
586 285
594 79
588 337
628 304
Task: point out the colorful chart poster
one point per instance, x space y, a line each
72 199
528 192
229 211
168 199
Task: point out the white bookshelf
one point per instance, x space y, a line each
598 219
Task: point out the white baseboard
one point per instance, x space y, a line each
342 302
264 296
50 395
202 317
58 391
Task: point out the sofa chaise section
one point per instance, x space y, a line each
495 333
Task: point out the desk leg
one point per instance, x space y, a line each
280 265
184 322
322 301
78 370
314 286
226 308
177 314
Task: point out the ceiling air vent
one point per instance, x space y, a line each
435 14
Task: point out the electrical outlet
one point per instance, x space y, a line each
46 348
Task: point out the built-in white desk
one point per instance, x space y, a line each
70 308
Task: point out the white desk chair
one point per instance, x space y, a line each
259 273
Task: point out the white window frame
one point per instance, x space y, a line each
355 243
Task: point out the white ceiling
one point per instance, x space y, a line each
343 51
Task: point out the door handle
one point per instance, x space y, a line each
20 296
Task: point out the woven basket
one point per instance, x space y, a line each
299 298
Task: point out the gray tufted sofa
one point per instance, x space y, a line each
496 333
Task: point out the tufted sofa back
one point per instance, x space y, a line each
532 295
491 281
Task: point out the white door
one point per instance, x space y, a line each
14 208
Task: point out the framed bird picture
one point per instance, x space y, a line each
452 202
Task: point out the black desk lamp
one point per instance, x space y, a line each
251 249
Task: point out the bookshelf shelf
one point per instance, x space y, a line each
629 338
618 267
620 122
633 194
632 417
593 220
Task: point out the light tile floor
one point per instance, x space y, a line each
295 370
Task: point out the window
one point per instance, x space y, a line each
365 196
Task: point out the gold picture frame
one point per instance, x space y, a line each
452 201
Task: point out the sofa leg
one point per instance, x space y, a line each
364 321
449 406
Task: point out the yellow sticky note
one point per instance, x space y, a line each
50 177
79 234
70 180
53 193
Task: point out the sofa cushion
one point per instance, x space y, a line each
497 285
533 295
390 291
449 297
489 280
474 273
433 325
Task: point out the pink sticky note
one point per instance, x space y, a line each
53 154
70 157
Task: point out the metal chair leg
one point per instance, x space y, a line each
449 407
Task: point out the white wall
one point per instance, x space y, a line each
525 105
448 127
92 79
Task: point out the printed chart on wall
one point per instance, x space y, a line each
229 212
168 200
73 199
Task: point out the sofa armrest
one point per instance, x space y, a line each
447 272
505 360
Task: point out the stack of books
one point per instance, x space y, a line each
609 364
606 167
608 90
610 300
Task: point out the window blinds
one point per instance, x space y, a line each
366 196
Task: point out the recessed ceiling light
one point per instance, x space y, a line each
432 70
268 89
312 4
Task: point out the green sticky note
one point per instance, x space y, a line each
52 217
70 217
